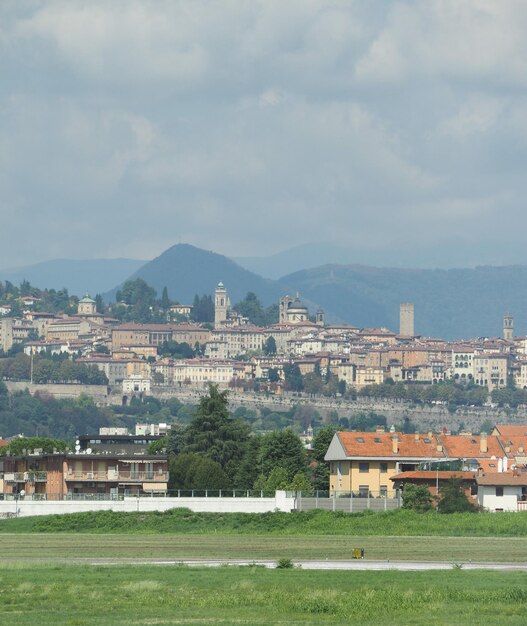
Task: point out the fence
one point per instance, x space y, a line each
349 501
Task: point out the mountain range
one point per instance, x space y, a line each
77 276
449 303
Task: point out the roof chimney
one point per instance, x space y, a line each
416 436
483 443
439 447
395 444
379 428
520 448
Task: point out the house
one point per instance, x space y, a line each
434 479
364 462
503 491
111 465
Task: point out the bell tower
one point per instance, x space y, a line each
221 305
508 328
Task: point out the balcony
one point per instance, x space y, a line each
115 476
25 477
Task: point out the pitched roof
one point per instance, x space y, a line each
468 446
432 475
503 478
363 444
509 430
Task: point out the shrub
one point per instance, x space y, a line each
417 498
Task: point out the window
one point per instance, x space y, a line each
383 467
360 439
364 467
499 491
384 491
364 491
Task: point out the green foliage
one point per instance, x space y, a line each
447 392
399 523
157 447
50 370
203 309
417 498
282 449
293 377
252 308
285 563
27 445
176 350
270 346
190 470
273 375
452 498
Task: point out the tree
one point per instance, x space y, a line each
165 302
417 498
272 375
293 377
282 448
270 346
452 498
213 432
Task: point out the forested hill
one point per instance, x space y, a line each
454 304
186 270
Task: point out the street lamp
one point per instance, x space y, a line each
18 495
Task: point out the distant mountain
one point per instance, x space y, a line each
298 258
186 270
77 276
453 253
454 304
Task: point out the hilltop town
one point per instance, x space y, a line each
296 350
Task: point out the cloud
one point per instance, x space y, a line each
249 127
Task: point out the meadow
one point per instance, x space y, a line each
146 595
183 521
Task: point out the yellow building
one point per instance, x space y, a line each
364 462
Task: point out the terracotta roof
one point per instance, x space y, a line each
488 465
514 443
380 445
429 475
468 446
508 430
502 478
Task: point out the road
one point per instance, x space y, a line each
358 564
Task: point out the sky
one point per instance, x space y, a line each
397 129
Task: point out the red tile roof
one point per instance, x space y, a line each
468 446
381 445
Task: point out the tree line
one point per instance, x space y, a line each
50 370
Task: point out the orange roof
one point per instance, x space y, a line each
468 446
381 445
515 443
508 430
432 475
488 465
503 478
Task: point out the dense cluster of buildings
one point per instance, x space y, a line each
377 464
234 351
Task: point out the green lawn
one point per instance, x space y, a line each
81 547
147 595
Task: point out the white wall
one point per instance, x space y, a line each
488 499
26 508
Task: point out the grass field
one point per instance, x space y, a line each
147 595
82 547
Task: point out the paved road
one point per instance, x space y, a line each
326 564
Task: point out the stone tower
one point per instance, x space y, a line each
221 305
320 318
406 319
508 328
283 306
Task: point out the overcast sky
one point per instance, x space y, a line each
249 127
